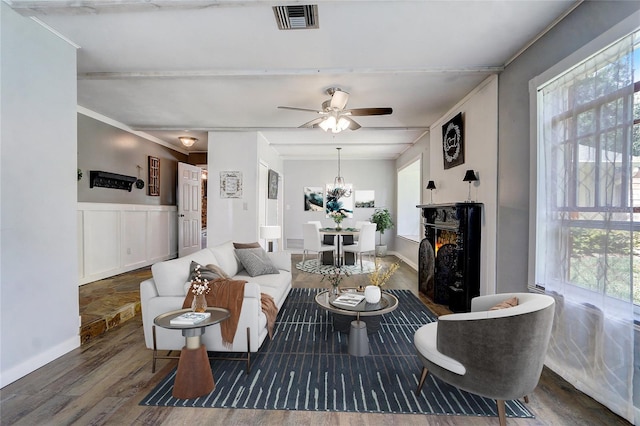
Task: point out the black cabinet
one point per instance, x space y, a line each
449 255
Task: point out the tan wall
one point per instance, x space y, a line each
109 149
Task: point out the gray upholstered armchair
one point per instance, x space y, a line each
497 354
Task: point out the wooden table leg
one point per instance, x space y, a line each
194 377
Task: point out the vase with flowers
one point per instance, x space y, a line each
379 277
335 277
199 287
337 216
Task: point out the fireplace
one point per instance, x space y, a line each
449 255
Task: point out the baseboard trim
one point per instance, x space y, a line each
32 364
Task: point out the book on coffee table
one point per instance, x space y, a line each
190 318
348 300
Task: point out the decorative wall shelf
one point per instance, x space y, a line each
110 180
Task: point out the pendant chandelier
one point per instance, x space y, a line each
339 186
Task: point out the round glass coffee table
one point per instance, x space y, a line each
358 340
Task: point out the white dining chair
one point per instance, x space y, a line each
316 222
358 226
312 241
366 242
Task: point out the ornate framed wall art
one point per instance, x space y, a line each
453 142
230 184
154 176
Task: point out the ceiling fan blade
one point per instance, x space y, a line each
339 99
301 109
312 123
352 124
358 112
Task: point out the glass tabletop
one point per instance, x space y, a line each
388 303
164 320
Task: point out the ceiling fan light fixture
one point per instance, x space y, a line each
187 141
336 125
329 124
343 124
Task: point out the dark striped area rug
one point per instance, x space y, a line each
306 367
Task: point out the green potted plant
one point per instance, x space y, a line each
382 219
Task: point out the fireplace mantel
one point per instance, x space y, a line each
449 257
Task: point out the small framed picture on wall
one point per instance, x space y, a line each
453 142
273 185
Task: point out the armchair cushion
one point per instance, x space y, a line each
425 342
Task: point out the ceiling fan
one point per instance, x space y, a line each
334 116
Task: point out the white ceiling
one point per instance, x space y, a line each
166 66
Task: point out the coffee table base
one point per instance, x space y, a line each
194 377
358 340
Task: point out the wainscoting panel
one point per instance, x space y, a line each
134 246
116 238
101 242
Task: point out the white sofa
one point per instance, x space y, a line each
167 289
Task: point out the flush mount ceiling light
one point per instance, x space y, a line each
339 186
187 141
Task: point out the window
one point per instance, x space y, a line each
409 190
587 250
589 170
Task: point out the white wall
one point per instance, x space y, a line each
405 249
378 175
38 253
236 219
480 117
272 160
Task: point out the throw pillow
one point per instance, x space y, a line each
256 261
218 270
246 245
206 273
509 303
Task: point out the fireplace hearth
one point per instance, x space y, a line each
449 255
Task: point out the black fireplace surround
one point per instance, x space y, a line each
449 255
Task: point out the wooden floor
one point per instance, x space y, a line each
102 382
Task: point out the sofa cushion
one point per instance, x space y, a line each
280 259
171 275
226 258
256 262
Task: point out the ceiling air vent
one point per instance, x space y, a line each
297 17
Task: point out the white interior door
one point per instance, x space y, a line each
189 211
